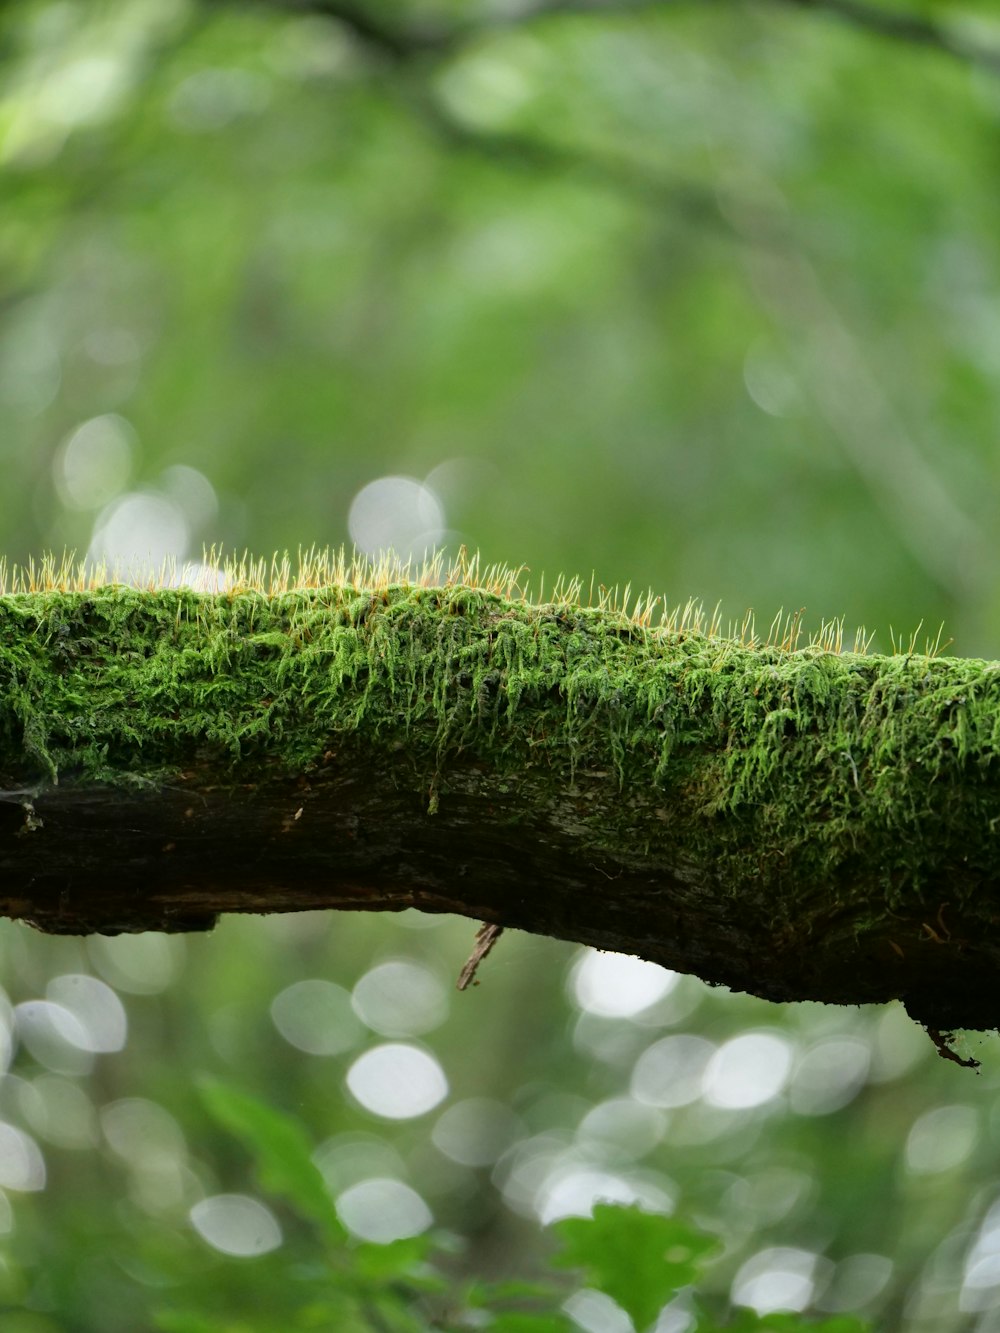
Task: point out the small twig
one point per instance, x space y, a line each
486 937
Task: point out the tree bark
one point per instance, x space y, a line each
800 824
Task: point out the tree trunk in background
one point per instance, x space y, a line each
799 824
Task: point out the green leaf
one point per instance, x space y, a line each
398 1260
489 1295
532 1323
281 1150
321 1318
177 1321
639 1259
186 1321
748 1321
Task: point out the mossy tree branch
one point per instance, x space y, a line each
800 824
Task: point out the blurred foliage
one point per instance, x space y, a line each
705 298
642 1261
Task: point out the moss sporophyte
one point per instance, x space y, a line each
754 808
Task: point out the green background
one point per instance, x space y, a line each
704 299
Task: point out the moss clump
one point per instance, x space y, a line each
759 767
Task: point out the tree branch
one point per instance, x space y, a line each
394 40
798 824
406 42
912 29
686 200
410 43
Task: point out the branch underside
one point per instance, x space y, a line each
795 824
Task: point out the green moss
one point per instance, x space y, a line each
763 768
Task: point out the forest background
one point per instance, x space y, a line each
700 298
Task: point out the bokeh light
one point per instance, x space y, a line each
143 964
671 1071
829 1075
316 1017
347 1159
236 1224
397 1081
942 1139
748 1070
476 1131
139 531
22 1166
383 1210
59 1111
596 1313
623 1129
400 998
616 986
781 1278
55 1036
397 514
95 461
98 1010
